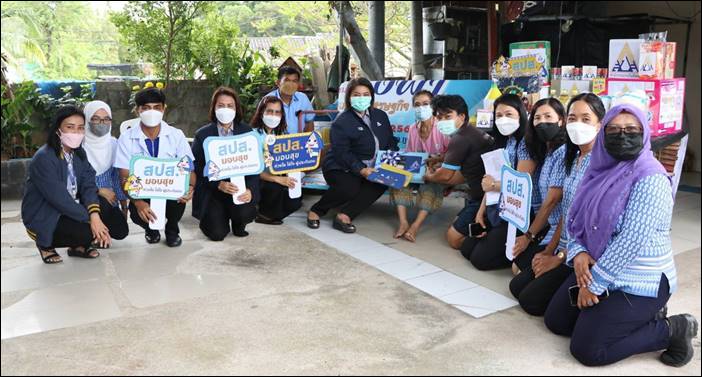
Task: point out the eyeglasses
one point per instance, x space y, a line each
613 129
104 121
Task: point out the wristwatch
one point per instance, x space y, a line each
529 236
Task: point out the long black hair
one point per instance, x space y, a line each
257 120
513 101
537 148
53 140
597 107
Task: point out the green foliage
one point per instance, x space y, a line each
47 105
56 39
17 127
160 32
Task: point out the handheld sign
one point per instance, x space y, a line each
233 157
293 153
158 179
515 204
411 162
390 176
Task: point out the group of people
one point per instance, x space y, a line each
596 261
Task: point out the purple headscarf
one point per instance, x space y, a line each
604 190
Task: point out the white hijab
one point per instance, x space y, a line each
99 149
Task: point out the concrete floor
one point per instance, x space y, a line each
281 302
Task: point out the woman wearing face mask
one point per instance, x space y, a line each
487 251
535 285
275 203
357 135
620 248
60 207
213 203
544 139
100 147
423 136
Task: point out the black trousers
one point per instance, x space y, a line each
487 253
275 202
174 212
70 233
353 193
534 294
221 212
114 220
620 326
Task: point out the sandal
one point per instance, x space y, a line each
85 253
48 258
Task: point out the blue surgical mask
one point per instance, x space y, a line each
423 112
447 127
360 103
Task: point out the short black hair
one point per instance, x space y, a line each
288 70
53 140
446 103
361 81
149 95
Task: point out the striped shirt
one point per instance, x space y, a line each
110 179
570 185
552 175
640 249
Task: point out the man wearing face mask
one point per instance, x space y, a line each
154 138
293 101
100 148
462 161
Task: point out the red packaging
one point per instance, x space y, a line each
670 48
666 101
652 57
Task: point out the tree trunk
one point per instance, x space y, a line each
358 43
171 36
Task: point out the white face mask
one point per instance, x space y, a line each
507 126
271 121
151 118
225 115
581 133
423 112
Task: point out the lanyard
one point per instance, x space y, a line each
152 146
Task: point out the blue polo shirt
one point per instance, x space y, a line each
299 102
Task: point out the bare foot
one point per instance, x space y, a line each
411 234
401 229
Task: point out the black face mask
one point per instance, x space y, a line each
623 146
547 131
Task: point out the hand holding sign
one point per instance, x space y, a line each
515 205
157 179
233 157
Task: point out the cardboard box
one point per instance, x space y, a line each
542 49
652 55
581 86
666 101
670 49
624 58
